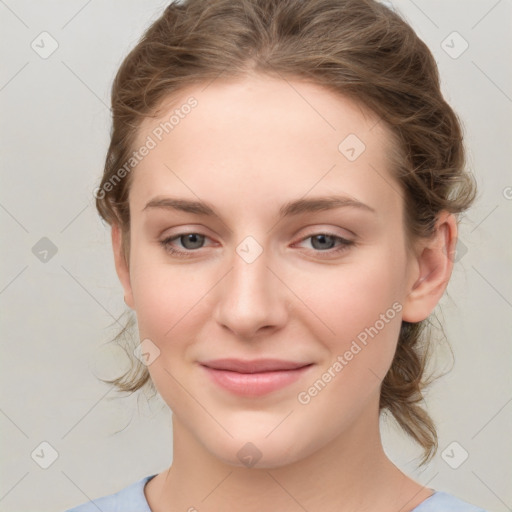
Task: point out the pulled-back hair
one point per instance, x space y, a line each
356 48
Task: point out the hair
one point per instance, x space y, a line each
357 48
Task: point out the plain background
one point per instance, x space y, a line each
58 314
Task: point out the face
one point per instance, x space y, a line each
266 224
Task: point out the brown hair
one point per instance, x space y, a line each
358 48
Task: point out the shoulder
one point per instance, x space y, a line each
129 499
442 501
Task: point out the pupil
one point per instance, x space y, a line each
194 239
322 239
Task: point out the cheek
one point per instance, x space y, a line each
351 298
167 302
361 306
364 311
164 296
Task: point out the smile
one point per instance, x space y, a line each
254 378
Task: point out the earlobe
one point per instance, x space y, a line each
434 267
122 267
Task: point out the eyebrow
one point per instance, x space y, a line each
289 209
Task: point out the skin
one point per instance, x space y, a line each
249 146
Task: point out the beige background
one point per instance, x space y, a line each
58 315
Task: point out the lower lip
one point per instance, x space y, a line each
255 384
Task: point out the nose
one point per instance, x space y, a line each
252 299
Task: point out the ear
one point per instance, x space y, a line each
122 267
432 270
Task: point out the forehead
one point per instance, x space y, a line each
287 136
267 103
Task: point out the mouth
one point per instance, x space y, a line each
256 377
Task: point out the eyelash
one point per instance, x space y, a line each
343 246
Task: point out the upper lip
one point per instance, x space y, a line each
253 366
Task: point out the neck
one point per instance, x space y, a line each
352 472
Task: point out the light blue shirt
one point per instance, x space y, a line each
132 499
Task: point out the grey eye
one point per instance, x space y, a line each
320 241
192 240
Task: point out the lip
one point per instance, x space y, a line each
255 377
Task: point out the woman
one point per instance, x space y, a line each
282 184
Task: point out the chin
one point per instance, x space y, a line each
260 451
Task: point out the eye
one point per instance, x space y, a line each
189 241
326 242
